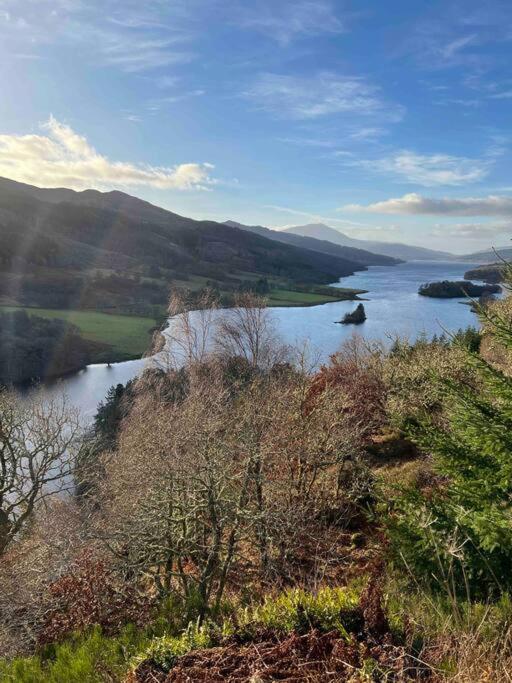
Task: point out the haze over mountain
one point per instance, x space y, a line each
405 252
325 247
489 255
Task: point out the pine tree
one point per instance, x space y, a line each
457 534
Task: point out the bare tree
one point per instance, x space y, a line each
218 476
36 440
188 338
248 330
174 498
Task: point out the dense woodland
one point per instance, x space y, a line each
34 348
235 516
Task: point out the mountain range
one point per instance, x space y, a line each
65 249
321 245
488 256
396 250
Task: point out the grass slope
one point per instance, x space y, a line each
288 297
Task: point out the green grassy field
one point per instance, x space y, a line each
280 294
125 337
128 336
289 297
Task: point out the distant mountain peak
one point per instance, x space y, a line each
326 243
398 250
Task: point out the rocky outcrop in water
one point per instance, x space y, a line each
357 316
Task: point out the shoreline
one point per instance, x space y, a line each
107 358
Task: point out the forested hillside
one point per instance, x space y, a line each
493 273
63 249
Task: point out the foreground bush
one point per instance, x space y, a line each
383 632
90 658
456 535
91 594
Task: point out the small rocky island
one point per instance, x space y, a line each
357 316
455 290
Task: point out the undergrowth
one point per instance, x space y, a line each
451 643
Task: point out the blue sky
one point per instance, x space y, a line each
387 120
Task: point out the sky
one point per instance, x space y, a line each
386 120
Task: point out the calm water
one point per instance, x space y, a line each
393 307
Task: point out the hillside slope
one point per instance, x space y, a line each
362 256
396 250
60 248
489 272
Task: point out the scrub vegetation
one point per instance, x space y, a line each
239 517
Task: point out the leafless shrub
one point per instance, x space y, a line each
248 331
91 593
29 566
188 338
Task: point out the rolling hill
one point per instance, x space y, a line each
488 256
404 252
65 249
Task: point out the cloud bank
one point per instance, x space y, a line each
61 157
416 204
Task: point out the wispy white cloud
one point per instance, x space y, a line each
321 143
458 37
165 82
139 53
61 157
178 97
460 101
285 21
323 94
416 204
367 133
130 36
438 46
472 231
427 169
454 47
349 135
504 95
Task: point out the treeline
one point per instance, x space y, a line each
451 290
352 522
69 290
34 348
492 273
